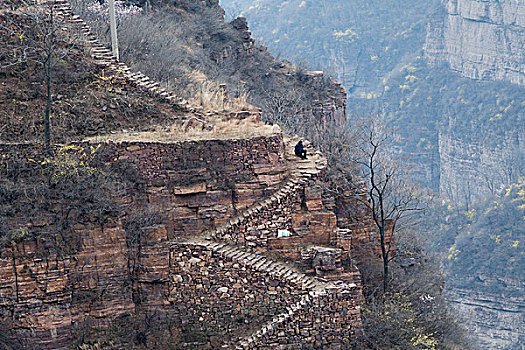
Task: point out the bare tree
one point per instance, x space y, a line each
37 34
391 197
286 107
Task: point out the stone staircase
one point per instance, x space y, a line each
258 262
103 57
301 172
281 271
250 342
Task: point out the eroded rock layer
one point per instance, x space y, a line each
480 39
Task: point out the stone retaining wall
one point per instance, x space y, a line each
219 294
228 296
293 208
192 166
220 299
254 227
192 185
324 319
197 185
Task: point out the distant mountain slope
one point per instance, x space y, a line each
359 42
484 256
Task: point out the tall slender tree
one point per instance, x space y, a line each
38 33
390 196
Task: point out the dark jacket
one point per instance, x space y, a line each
299 149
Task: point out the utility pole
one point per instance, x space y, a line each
113 28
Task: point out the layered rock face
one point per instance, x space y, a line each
471 167
492 318
480 39
197 185
45 296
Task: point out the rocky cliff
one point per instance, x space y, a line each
193 255
480 39
492 317
474 164
483 40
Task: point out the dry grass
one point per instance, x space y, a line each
213 96
196 129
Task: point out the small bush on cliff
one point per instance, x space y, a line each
412 313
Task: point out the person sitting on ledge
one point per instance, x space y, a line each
299 150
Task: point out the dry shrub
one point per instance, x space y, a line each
214 97
59 193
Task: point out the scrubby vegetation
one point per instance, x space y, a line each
433 100
414 314
489 234
192 50
45 200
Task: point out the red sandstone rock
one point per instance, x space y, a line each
196 188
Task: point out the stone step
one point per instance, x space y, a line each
259 264
227 249
103 56
248 342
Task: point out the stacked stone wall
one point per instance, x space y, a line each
222 300
204 162
193 185
222 287
51 292
324 319
254 227
197 185
219 294
294 208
